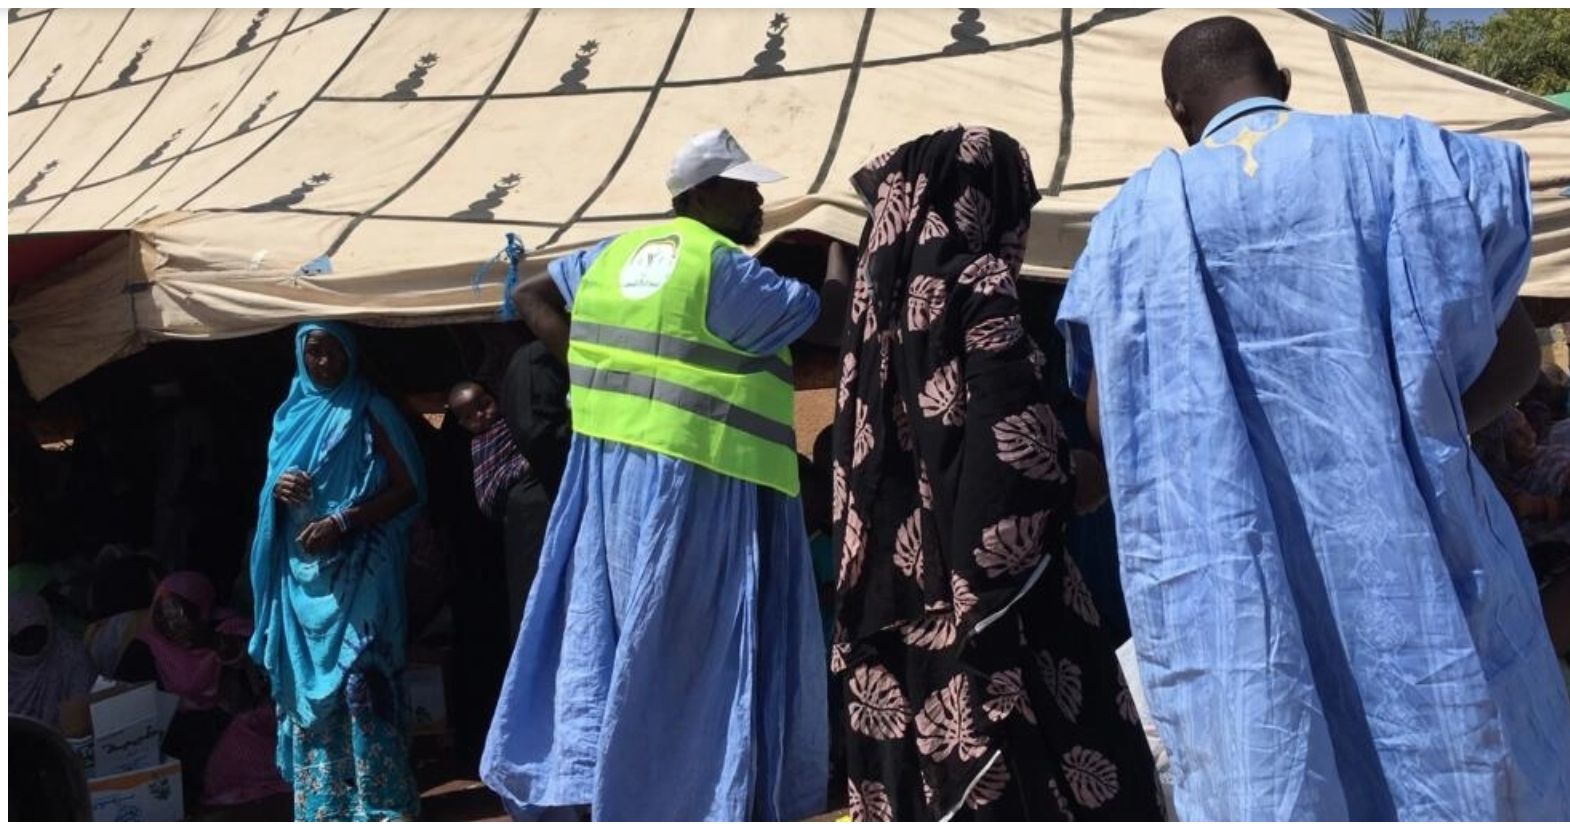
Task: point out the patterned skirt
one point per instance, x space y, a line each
1030 720
353 765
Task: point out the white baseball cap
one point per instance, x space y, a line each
715 154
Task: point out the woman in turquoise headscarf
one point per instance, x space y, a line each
344 484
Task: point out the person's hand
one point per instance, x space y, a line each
319 536
1090 481
293 487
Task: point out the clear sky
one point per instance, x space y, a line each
1393 16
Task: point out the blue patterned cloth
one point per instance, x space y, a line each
1333 610
319 616
671 664
354 764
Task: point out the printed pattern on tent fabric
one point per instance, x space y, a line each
237 144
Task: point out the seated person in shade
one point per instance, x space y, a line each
47 665
119 606
225 731
1533 476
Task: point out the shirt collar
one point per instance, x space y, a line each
1241 108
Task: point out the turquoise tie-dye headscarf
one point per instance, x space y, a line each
318 616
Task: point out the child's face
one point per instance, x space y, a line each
175 619
476 411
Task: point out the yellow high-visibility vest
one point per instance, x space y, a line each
647 372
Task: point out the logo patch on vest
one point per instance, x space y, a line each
649 268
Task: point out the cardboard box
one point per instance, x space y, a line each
127 729
83 747
150 794
119 728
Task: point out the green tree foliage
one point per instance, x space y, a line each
1526 48
1370 22
1417 31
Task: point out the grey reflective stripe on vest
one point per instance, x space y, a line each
665 346
698 403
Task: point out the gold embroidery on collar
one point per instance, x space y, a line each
1246 139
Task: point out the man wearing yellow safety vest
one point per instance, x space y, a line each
670 665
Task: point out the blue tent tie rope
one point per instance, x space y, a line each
515 252
484 269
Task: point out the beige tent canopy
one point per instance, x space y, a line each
224 149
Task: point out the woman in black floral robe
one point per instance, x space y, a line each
976 683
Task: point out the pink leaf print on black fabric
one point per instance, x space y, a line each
1063 680
852 549
997 334
877 707
1057 795
945 727
1038 360
964 598
925 303
1027 178
933 632
907 547
920 190
860 297
924 490
869 324
982 268
990 787
1077 595
902 425
1028 442
975 147
1007 694
869 801
1011 546
928 794
841 489
891 215
933 228
861 447
837 653
941 398
998 282
1091 777
1127 709
973 215
1012 244
886 341
878 161
847 378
